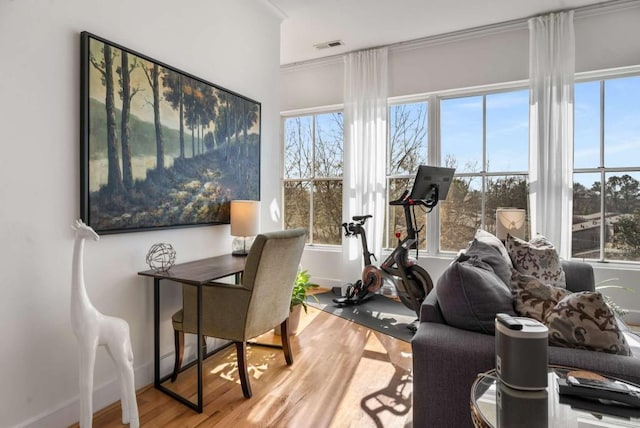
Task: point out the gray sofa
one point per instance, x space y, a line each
446 360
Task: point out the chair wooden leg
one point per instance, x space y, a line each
178 343
286 346
241 349
204 346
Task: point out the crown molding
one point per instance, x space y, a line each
275 9
486 30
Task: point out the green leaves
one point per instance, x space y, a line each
301 286
602 285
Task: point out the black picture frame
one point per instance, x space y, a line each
174 155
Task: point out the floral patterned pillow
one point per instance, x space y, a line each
537 258
532 298
575 320
584 320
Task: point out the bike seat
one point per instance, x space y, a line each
361 217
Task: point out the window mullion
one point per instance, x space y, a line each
433 158
387 214
603 177
484 162
312 187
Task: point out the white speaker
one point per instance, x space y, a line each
522 358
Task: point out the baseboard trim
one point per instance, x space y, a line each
108 393
105 395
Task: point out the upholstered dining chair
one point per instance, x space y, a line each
239 312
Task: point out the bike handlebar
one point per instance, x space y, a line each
401 200
404 200
351 229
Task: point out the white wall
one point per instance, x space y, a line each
233 43
605 38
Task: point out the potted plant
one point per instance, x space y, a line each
617 309
299 296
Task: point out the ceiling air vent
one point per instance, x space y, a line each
327 45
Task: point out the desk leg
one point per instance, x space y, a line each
157 380
156 332
199 335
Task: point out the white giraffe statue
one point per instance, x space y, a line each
92 329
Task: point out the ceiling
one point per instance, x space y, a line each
364 24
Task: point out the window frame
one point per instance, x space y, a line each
433 100
434 150
602 170
313 112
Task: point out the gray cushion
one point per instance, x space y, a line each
491 239
492 256
470 294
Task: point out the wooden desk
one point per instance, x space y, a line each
196 273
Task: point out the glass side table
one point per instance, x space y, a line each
495 405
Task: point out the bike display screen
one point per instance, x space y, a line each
429 177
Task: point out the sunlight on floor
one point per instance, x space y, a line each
344 375
387 394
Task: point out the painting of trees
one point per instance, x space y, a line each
152 73
139 172
105 67
127 92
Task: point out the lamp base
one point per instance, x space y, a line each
241 245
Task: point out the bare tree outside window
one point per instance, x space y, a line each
313 176
407 149
485 137
606 188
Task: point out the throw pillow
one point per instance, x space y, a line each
584 320
537 258
532 298
470 295
491 239
490 255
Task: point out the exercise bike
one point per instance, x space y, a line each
412 282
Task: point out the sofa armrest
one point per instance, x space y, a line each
430 309
578 275
446 361
618 366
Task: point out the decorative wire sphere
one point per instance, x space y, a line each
161 257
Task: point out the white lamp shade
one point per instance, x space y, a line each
245 218
511 221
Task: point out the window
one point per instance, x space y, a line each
486 138
313 175
407 149
606 193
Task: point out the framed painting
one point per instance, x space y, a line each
160 148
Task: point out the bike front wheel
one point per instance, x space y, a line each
420 285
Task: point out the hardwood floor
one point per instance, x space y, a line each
343 375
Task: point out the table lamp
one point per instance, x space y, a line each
510 221
244 223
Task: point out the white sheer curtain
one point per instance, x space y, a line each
365 145
551 76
